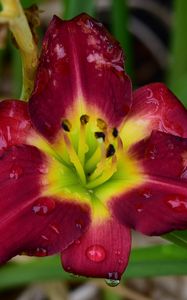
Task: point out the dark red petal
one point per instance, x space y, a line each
160 204
30 222
80 61
15 124
103 251
154 107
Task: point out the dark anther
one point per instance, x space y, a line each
66 125
100 134
84 119
115 132
110 150
101 124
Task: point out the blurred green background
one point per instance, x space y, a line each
153 34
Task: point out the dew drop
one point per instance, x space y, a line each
117 252
112 282
15 172
43 206
77 242
120 261
40 252
178 203
113 279
152 152
96 253
139 207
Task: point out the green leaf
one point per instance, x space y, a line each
144 262
73 8
178 66
177 237
120 19
179 87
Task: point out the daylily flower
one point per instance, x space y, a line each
86 160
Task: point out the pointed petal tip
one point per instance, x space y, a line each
80 61
103 252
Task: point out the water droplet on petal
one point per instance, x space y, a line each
152 152
112 282
40 252
96 253
43 206
113 279
117 252
120 261
77 242
15 172
139 207
177 202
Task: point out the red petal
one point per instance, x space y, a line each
103 251
154 107
160 204
15 123
80 61
29 222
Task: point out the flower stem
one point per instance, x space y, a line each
13 14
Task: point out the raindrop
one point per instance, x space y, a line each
178 203
40 252
120 261
112 282
77 242
16 172
96 253
152 152
113 279
43 206
117 252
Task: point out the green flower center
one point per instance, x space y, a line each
91 153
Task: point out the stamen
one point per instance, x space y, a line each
74 158
110 150
100 134
108 171
84 119
115 132
93 160
101 124
82 147
66 125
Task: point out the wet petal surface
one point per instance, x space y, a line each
159 204
154 107
32 222
81 68
103 251
15 124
